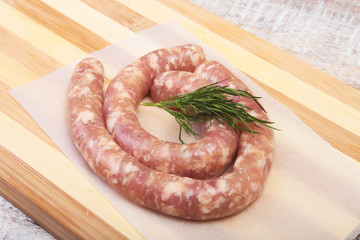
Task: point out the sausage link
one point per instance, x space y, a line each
205 158
163 192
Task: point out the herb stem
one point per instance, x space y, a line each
211 102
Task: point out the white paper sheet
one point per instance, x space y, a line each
312 191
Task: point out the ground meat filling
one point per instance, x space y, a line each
185 197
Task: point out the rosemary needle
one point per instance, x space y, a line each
211 102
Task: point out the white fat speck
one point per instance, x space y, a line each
91 143
79 91
248 148
210 67
147 158
102 141
172 59
221 185
172 188
115 166
123 95
254 186
195 58
98 67
129 167
165 151
205 197
138 74
97 159
225 153
73 90
89 77
171 210
112 120
261 163
183 147
211 147
114 181
219 202
212 190
255 114
189 194
118 85
169 84
157 82
154 62
85 116
205 210
188 181
231 85
110 145
167 67
192 79
124 181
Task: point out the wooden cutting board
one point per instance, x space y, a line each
37 38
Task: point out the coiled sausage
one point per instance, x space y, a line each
170 194
207 157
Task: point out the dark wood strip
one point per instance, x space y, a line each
121 14
26 54
60 24
34 211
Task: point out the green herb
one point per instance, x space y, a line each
211 102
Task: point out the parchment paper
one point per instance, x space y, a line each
312 191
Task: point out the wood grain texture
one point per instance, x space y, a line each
347 141
57 207
31 57
55 46
38 37
14 110
51 181
60 24
128 18
30 208
90 19
270 53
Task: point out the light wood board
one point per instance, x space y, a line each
37 38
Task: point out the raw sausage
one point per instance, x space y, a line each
207 157
163 192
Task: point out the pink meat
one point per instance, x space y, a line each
163 192
207 157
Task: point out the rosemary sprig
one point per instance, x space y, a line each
211 102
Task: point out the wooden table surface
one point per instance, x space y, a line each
40 37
